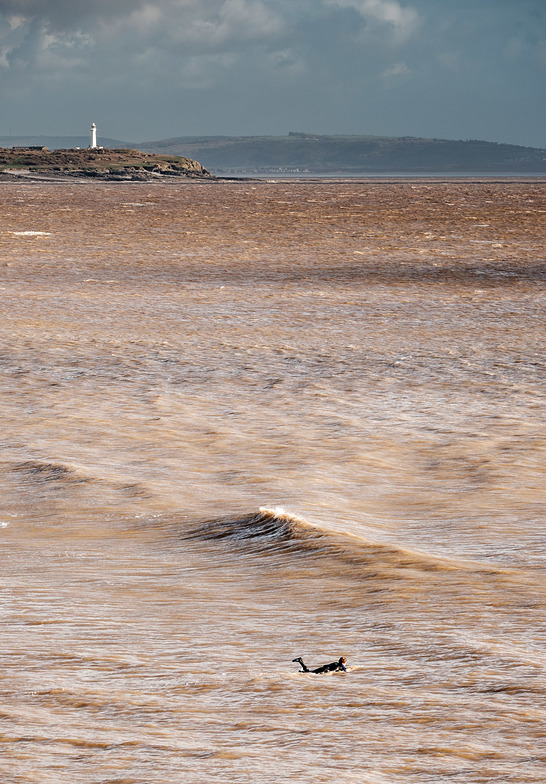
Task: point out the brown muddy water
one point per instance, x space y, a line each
248 421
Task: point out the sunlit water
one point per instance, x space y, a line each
244 422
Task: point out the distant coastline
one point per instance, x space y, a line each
296 156
305 154
311 154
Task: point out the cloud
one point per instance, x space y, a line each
397 69
123 33
213 25
388 16
66 12
267 65
67 15
216 18
235 25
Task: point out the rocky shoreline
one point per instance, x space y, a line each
43 165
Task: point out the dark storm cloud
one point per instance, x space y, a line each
475 68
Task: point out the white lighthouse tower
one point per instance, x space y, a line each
93 145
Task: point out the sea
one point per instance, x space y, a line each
249 421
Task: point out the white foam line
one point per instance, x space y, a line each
31 233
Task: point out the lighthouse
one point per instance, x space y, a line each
93 145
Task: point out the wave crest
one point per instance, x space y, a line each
270 529
277 532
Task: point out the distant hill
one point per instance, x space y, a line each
352 154
316 154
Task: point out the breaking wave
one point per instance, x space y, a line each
276 532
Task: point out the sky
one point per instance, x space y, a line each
145 70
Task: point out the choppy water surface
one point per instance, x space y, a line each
180 361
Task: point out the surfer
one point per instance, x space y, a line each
332 667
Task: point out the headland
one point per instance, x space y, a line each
119 165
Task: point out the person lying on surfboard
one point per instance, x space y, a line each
332 667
